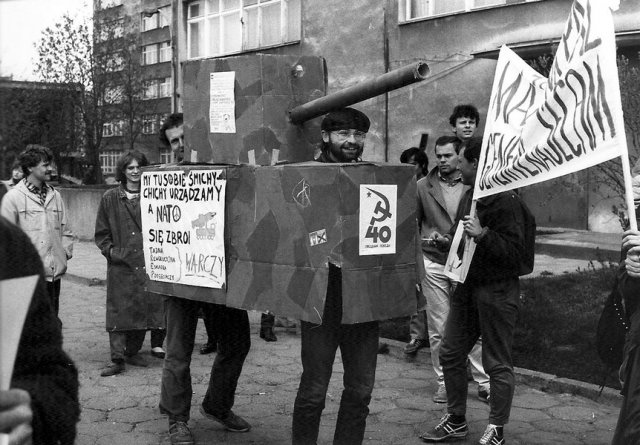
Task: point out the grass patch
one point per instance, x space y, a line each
555 333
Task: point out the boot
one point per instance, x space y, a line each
266 327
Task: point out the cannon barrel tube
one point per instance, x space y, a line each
392 80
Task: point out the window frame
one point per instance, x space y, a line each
404 9
109 161
290 29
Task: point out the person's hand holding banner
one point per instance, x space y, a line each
15 417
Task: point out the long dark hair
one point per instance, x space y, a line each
125 159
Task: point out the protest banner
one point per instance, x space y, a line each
183 225
539 129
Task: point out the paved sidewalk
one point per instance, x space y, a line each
123 409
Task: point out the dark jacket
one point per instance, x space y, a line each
497 255
118 235
41 368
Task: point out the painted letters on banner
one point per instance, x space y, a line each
183 226
378 217
539 129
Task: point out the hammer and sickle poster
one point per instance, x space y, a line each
377 219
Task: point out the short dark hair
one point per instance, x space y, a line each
125 159
444 140
418 155
345 119
16 164
464 110
32 155
172 121
472 149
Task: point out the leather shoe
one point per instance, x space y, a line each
267 334
158 352
208 348
113 369
136 360
232 422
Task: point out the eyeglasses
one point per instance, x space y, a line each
343 135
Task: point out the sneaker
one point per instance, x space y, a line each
414 345
113 369
483 394
158 352
441 394
231 421
490 436
180 434
446 431
136 360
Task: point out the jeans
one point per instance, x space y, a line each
125 343
490 310
53 289
437 289
232 332
418 326
358 345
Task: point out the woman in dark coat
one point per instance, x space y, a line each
130 309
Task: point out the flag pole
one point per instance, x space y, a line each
628 188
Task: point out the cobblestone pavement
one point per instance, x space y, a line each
123 409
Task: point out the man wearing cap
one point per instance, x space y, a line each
343 136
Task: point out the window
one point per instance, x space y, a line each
157 88
159 19
164 49
110 30
108 160
414 9
110 3
219 27
164 16
150 22
151 89
157 52
150 123
112 128
164 87
150 54
113 95
166 156
114 63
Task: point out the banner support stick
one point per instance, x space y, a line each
628 189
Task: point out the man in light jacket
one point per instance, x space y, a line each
38 209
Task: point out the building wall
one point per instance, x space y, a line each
362 39
82 206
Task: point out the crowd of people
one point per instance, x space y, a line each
468 327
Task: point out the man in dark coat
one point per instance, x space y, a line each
42 403
343 135
131 310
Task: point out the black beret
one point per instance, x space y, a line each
346 119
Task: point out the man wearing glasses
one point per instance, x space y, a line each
343 136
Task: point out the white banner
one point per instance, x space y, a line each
378 217
539 129
183 226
